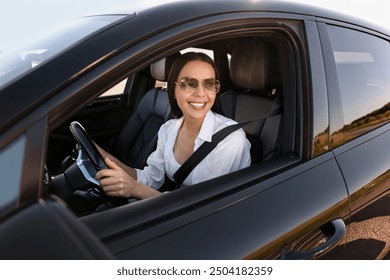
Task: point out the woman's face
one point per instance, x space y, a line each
192 91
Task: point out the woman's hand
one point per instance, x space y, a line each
116 182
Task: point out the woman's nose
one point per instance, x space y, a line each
199 91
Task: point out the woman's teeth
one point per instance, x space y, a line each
197 105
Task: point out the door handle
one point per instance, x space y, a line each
336 227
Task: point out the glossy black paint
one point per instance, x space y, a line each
282 208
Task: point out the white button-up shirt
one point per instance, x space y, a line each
231 154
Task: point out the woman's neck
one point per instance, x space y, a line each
191 127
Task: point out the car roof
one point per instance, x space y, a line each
196 8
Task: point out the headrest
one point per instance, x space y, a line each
252 64
160 69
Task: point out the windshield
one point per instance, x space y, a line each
18 62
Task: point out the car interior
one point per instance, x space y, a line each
255 74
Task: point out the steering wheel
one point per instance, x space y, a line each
88 146
90 161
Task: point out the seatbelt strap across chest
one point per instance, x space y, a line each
182 173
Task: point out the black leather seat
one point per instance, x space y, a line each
253 70
138 138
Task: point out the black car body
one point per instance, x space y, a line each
322 194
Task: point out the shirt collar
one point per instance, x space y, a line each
178 124
207 130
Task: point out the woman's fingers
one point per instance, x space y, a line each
105 173
111 164
113 180
112 169
106 181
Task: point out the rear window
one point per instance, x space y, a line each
363 70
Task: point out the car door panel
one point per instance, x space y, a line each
276 212
368 181
265 216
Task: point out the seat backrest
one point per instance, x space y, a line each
252 69
138 138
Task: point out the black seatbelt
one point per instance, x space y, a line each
182 173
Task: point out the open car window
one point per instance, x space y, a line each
106 123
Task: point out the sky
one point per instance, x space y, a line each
21 19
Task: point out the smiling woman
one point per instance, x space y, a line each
192 91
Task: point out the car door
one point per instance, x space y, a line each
293 207
292 215
360 67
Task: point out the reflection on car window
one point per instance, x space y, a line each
20 61
363 69
11 160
